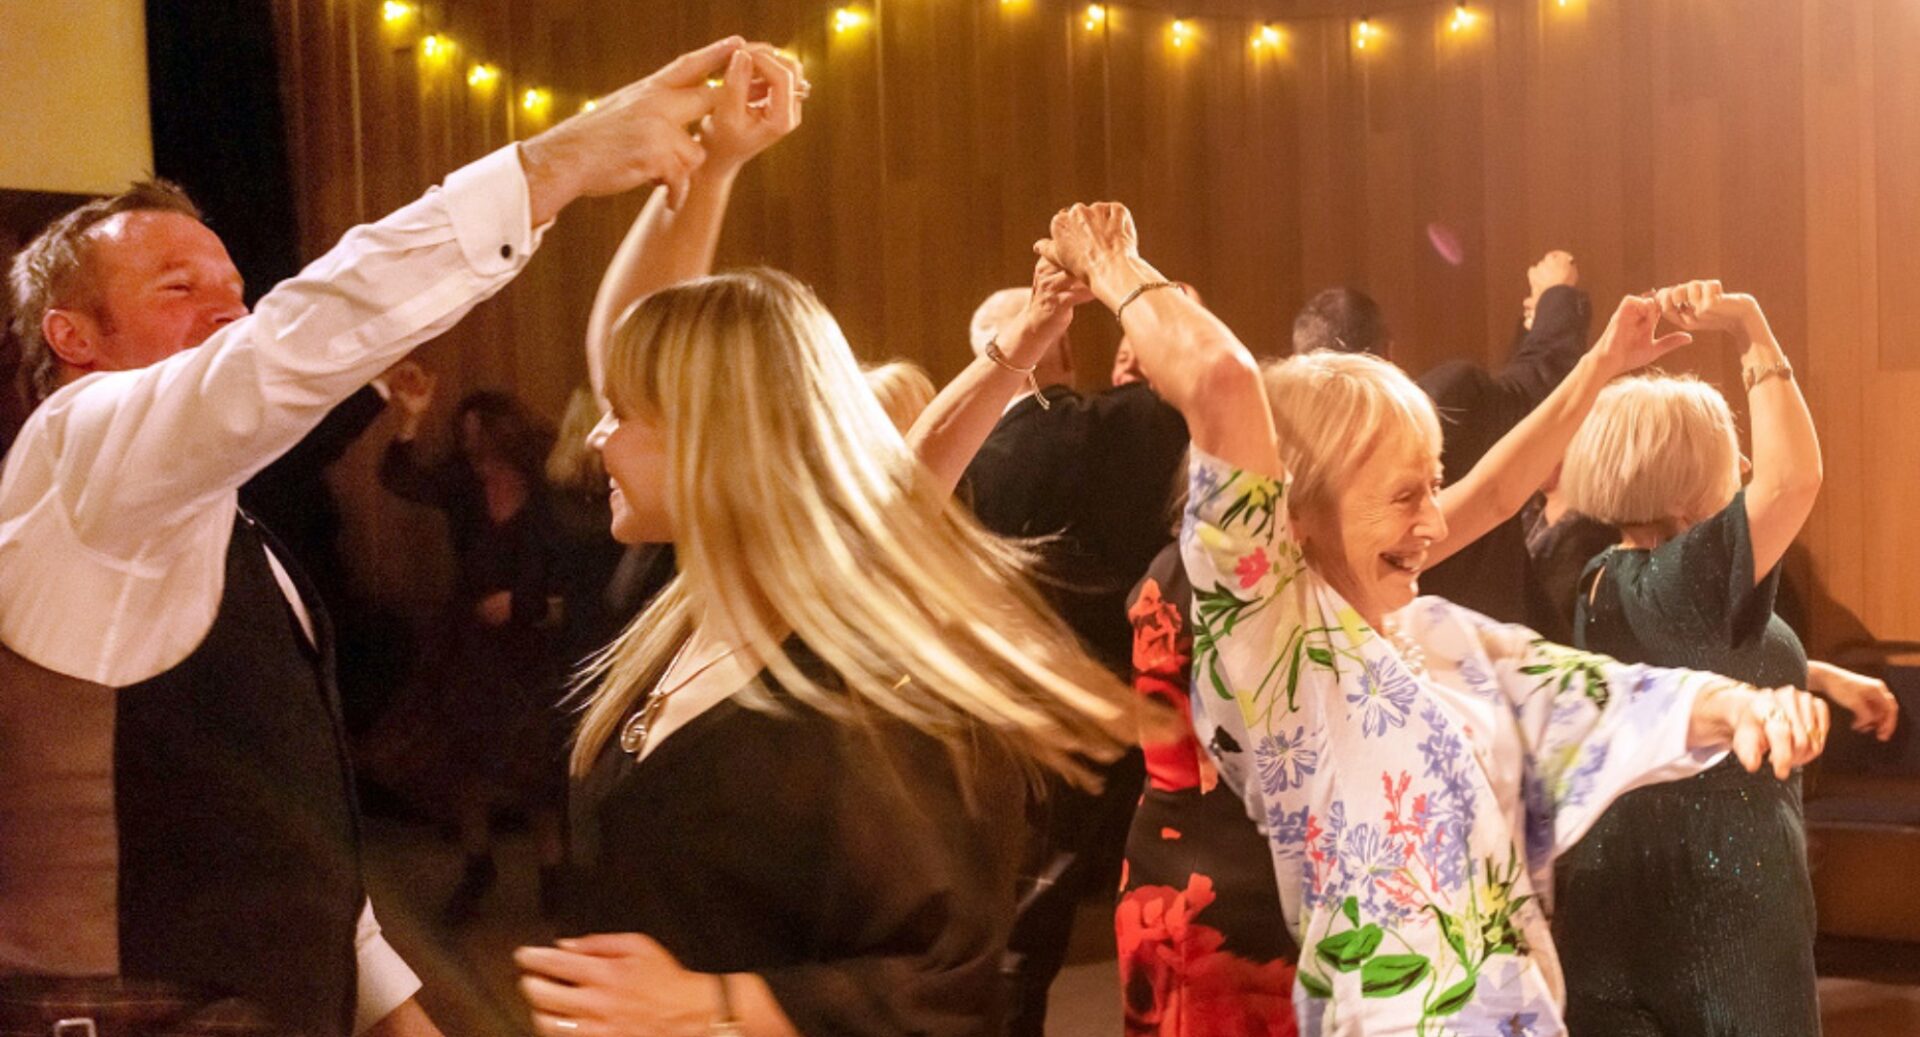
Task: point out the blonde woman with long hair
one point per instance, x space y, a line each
801 769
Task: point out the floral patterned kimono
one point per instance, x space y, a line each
1414 788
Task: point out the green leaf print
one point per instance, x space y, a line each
1454 998
1391 975
1314 985
1347 951
1351 908
1569 664
1320 657
1450 929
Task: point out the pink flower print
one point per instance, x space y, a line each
1252 568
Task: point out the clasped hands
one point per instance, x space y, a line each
668 126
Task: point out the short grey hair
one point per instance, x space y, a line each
55 270
1333 409
993 314
1655 447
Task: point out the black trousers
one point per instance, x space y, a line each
1080 839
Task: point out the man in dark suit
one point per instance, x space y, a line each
1095 474
1477 407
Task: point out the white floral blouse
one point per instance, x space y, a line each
1414 797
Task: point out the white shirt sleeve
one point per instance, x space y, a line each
385 981
180 433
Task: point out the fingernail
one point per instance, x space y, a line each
567 942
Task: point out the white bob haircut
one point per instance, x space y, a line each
1656 447
993 314
1332 410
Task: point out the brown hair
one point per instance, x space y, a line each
55 270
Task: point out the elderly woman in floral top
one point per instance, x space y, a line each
1416 766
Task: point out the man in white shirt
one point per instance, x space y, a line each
176 819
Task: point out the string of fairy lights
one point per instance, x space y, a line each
440 50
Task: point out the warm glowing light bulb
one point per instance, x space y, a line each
589 105
1096 17
1182 32
396 11
435 46
535 100
1462 18
1363 33
846 18
482 75
1266 37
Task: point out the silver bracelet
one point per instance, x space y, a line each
993 353
1121 310
1752 376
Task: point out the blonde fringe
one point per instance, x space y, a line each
799 511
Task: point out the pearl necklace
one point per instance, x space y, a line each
1412 654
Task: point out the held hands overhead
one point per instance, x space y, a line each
642 133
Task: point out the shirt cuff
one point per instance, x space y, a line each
385 981
492 214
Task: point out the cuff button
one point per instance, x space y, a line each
506 252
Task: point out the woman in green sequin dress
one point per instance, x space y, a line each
1687 910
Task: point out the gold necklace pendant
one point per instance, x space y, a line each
633 734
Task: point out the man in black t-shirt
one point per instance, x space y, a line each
1095 473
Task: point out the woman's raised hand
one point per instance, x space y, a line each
1628 342
1705 305
1083 236
759 103
1055 294
412 387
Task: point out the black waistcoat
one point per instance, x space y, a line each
239 858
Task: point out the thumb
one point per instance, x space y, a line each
739 81
693 67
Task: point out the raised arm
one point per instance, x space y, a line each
1521 461
1786 451
677 232
1192 359
201 422
950 431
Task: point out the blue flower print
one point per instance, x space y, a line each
1289 832
1503 1007
1581 782
1284 761
1385 697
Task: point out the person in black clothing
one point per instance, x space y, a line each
487 687
292 497
1092 474
1477 407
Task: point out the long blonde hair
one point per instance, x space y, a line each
798 509
573 464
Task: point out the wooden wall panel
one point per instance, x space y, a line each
1771 143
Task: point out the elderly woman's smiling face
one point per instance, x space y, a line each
1369 538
